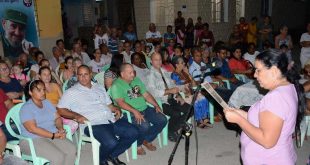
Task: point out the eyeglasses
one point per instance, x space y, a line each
4 69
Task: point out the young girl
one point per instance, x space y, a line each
53 91
97 63
55 78
68 72
17 70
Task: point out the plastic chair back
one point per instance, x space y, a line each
64 86
99 77
105 68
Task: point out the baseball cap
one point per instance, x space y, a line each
15 16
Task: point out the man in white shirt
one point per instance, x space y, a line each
77 52
305 43
153 36
85 101
56 59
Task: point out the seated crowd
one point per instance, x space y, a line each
153 79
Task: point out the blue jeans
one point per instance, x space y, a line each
110 144
151 127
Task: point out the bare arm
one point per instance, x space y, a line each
264 135
63 112
31 126
58 122
8 104
150 99
305 44
122 104
2 144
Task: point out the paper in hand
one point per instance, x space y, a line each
214 94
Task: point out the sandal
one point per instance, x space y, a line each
141 151
201 125
207 123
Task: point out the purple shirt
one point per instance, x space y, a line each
282 102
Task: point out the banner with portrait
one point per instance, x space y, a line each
18 29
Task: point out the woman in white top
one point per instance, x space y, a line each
96 64
305 43
283 38
101 36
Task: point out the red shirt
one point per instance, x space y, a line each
238 64
3 109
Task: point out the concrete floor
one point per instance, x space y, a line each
217 145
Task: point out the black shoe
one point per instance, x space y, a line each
104 163
116 161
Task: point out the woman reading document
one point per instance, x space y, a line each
270 123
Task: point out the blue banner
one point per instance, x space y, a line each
18 27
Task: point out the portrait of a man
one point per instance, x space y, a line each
13 36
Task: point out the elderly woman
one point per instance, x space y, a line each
270 123
41 122
9 85
182 77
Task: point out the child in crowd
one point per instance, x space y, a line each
178 52
55 78
170 48
101 36
284 48
251 54
68 72
106 56
17 70
169 36
97 63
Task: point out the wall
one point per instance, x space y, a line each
221 30
50 24
291 13
142 14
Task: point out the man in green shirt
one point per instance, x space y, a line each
130 94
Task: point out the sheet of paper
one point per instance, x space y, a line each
214 94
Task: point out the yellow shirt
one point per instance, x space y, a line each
252 30
53 95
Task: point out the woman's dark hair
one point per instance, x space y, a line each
116 62
276 58
44 68
36 55
67 59
175 61
164 51
30 86
133 56
41 62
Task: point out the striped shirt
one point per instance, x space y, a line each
92 103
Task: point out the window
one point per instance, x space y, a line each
240 7
219 10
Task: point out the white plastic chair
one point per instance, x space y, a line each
99 77
90 139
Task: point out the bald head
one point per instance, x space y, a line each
156 60
127 72
83 67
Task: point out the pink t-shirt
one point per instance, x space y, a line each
282 102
